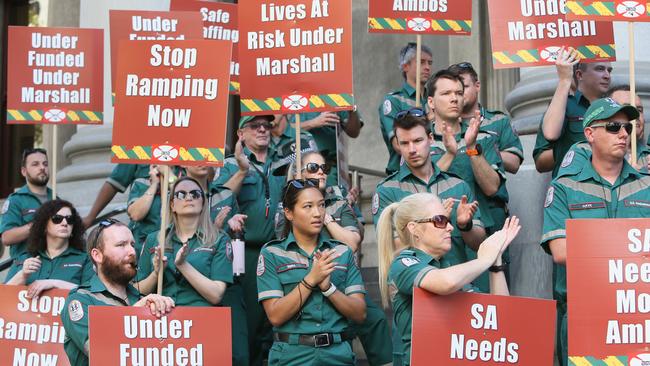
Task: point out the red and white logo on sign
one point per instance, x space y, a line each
418 24
549 53
630 9
165 153
295 102
54 115
641 359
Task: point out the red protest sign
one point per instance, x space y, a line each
451 17
219 22
608 273
171 102
626 10
150 25
531 33
55 76
31 332
466 328
296 56
187 336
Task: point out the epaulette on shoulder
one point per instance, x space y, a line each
272 242
388 178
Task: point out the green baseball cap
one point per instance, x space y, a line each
246 119
605 108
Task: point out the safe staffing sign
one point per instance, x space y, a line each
624 10
295 56
171 102
531 33
608 261
442 17
55 76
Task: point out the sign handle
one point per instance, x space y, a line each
630 31
298 149
55 149
164 211
418 57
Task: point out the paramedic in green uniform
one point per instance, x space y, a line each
310 285
19 208
424 229
249 175
56 256
283 139
606 186
111 249
404 98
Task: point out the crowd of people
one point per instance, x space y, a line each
441 217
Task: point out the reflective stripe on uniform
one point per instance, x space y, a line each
355 289
421 274
554 234
586 188
269 294
296 257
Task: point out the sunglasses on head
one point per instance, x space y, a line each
195 194
256 125
29 151
103 224
615 126
57 219
464 66
415 112
439 221
312 168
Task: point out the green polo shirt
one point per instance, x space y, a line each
394 102
541 144
73 265
583 194
325 136
281 267
499 123
220 198
462 167
151 221
580 153
212 260
19 210
123 175
74 315
252 197
285 144
572 129
444 185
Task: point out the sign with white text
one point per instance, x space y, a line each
438 17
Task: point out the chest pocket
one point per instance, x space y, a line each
588 209
339 275
249 189
72 271
575 126
290 274
201 259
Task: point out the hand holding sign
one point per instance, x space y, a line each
157 304
567 58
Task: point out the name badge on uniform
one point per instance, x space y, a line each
637 203
586 206
289 266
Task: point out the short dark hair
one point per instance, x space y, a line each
96 237
463 68
614 89
37 240
409 122
29 151
442 74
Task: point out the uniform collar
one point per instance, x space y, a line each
410 91
590 173
580 98
290 239
426 258
270 153
25 190
404 172
96 286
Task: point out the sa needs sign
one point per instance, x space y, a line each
531 33
470 329
31 332
171 102
296 56
608 279
453 17
132 336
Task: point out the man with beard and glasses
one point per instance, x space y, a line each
111 249
18 210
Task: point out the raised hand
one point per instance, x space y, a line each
242 160
449 138
321 268
221 217
472 131
567 58
465 211
31 265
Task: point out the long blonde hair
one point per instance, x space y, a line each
205 231
397 215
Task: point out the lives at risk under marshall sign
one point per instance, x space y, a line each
55 75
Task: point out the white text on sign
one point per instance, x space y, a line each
559 28
434 6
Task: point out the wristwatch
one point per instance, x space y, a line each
478 150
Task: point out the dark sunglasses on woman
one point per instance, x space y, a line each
57 219
439 221
195 194
312 168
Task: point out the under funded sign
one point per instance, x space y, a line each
451 17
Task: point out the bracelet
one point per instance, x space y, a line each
467 227
309 287
500 268
329 291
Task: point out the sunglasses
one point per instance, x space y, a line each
464 66
258 124
439 221
312 168
615 126
298 184
194 194
415 112
57 219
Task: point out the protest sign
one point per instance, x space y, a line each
625 10
470 328
531 33
55 76
608 274
31 331
296 56
186 336
441 17
171 102
219 22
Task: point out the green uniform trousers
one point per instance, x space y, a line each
234 298
260 334
285 354
374 335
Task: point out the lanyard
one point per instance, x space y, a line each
267 191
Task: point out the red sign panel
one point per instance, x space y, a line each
171 102
479 329
452 17
31 332
186 336
55 76
531 33
608 278
625 10
219 22
296 56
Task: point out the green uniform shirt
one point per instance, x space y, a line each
393 103
19 210
324 136
220 198
572 129
499 123
123 175
403 183
583 194
580 154
72 265
257 199
285 144
75 315
151 221
281 267
541 144
214 261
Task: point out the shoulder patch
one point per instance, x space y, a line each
260 266
388 107
375 203
5 207
410 261
75 310
549 196
568 159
